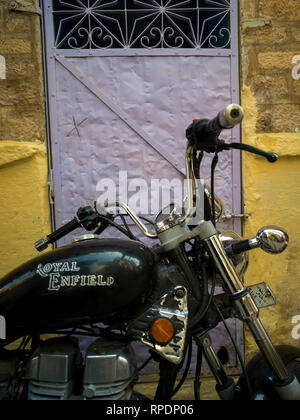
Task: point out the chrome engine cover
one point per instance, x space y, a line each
110 371
54 371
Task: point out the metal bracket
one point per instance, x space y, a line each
228 216
174 306
262 295
24 7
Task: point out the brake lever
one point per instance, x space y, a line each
271 157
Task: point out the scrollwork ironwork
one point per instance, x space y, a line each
214 38
102 24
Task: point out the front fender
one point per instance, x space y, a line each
261 376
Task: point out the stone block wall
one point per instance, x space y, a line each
270 61
22 105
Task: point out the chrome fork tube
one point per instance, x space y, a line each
244 303
224 266
191 182
212 359
225 386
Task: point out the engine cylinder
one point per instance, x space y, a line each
110 371
56 371
8 368
52 370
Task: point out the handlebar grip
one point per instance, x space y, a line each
230 116
226 119
43 244
203 134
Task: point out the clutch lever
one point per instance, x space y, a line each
86 218
271 157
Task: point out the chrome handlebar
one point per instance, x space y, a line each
191 192
191 184
227 118
133 217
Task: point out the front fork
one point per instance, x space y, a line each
286 386
225 386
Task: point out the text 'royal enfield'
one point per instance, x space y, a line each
162 296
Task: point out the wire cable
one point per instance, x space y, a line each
186 371
197 382
110 222
133 237
236 349
147 220
213 208
212 292
145 364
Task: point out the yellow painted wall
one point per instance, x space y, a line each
270 41
272 196
24 210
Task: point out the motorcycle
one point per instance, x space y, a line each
162 296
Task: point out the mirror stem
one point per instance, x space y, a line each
270 239
242 246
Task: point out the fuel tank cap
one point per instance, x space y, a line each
85 237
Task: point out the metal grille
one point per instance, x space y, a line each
148 24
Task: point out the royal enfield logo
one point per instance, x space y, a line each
2 328
59 276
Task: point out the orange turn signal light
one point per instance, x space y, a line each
162 330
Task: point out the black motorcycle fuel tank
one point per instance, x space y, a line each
88 281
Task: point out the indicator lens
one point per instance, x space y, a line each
162 330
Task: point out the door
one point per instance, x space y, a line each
125 79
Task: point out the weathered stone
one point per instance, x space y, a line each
13 94
296 32
248 9
278 118
18 24
296 87
276 60
249 64
279 9
15 46
266 87
19 67
262 31
26 127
